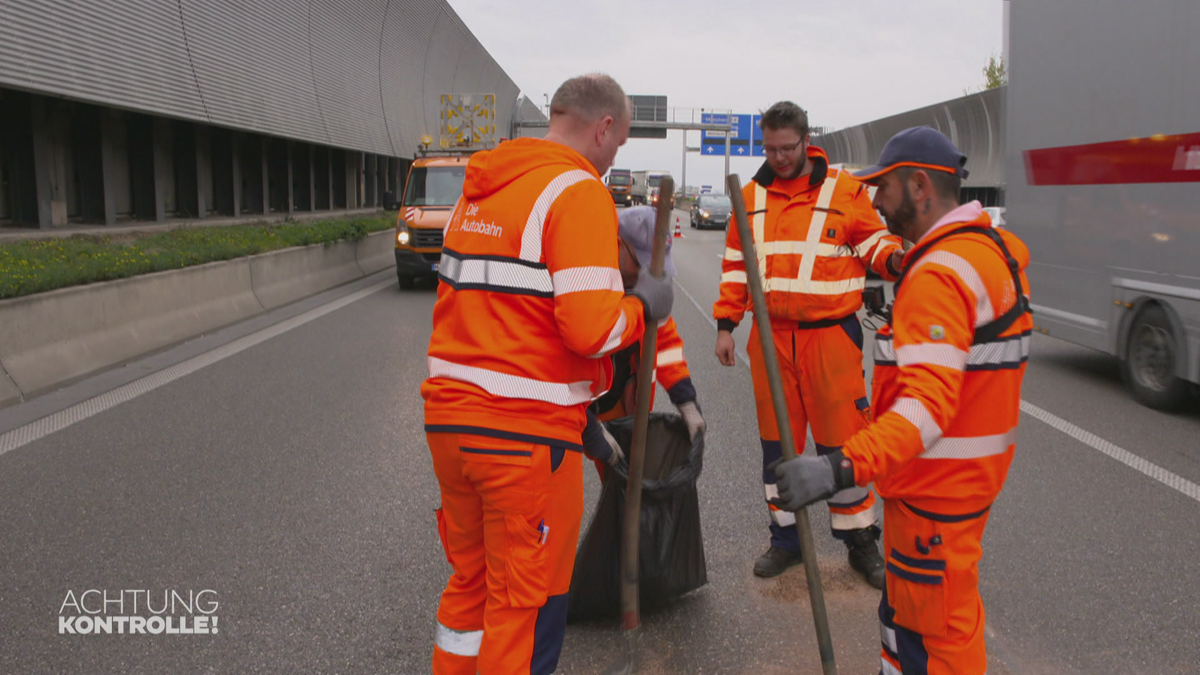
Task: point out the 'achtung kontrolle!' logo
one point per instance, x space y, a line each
139 612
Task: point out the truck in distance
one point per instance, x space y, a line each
619 182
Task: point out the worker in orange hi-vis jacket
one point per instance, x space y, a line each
636 229
529 308
815 235
947 395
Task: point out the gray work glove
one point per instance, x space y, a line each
617 455
656 294
807 479
690 412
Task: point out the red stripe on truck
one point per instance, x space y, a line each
1155 159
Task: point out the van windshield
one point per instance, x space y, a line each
434 185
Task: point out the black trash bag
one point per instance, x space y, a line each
671 551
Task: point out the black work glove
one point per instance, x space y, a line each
807 479
657 294
598 444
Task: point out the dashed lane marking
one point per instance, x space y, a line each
1135 462
741 354
1139 464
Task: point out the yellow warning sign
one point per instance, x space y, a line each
468 121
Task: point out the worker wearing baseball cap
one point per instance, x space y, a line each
636 231
948 371
816 236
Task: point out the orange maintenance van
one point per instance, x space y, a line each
434 185
467 124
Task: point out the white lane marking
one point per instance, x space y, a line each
741 354
62 419
1118 453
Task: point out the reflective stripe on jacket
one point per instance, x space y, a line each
946 404
670 371
813 247
530 301
670 365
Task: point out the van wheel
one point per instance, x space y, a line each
407 281
1149 363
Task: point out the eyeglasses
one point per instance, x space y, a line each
782 150
629 250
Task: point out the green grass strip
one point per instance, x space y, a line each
35 266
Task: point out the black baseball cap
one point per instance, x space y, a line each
920 147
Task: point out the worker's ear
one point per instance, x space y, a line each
920 186
604 127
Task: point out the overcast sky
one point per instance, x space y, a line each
844 62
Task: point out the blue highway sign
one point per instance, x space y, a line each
743 132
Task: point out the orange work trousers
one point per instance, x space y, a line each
822 373
931 612
509 524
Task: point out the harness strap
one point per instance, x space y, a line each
993 329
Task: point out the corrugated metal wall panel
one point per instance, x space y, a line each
359 74
251 60
346 40
975 123
127 53
440 63
469 68
403 54
475 68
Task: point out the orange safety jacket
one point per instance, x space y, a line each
948 370
670 370
813 248
531 301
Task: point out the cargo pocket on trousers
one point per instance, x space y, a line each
528 563
441 525
916 590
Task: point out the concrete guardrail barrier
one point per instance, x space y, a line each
51 338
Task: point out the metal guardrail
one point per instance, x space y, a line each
671 118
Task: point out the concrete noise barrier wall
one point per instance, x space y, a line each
50 338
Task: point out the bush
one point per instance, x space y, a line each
35 266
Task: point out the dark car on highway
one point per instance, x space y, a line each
711 210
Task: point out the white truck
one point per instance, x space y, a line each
645 186
639 192
653 180
1103 157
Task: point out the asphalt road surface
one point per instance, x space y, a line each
276 474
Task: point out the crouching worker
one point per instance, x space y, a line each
636 230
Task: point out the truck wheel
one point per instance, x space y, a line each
407 281
1149 363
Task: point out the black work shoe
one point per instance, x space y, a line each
775 561
864 555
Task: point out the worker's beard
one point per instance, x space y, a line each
901 221
796 168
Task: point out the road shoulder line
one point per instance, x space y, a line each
62 419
